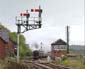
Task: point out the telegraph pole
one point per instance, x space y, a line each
41 46
41 50
67 39
23 21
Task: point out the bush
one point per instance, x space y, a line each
1 61
10 59
63 58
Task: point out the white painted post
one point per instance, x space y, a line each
18 48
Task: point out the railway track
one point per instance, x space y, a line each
39 65
53 66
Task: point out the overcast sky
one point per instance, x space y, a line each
57 14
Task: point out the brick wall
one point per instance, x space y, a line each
58 53
2 49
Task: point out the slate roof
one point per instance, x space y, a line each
3 40
4 34
59 42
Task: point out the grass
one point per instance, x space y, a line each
4 63
74 63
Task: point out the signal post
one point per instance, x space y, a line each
29 23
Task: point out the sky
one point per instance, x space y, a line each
56 15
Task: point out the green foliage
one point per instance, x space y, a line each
73 63
13 36
10 59
63 58
23 49
1 61
3 27
55 62
29 52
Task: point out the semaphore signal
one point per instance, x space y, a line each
24 14
23 21
36 10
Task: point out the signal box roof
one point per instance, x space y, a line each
59 42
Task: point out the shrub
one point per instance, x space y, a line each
10 59
63 58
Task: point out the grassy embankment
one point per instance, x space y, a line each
73 62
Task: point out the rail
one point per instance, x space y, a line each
38 65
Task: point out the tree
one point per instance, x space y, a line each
3 27
29 51
23 48
13 36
